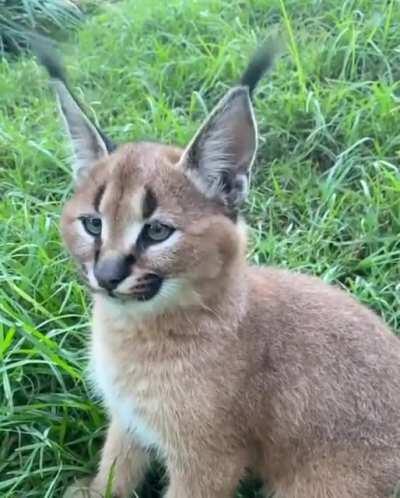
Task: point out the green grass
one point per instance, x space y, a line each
20 17
325 197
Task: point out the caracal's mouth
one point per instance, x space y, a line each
145 288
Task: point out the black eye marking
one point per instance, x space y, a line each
149 203
98 196
92 225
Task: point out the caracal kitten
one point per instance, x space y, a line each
217 366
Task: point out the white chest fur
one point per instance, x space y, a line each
125 395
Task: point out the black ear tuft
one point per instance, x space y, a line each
89 143
50 58
262 61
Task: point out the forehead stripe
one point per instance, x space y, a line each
98 196
149 204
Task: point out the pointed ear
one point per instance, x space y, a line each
89 144
219 158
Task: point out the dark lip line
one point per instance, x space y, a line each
123 297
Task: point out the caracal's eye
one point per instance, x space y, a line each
92 225
157 232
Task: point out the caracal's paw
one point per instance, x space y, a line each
82 489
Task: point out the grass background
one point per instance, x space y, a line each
325 196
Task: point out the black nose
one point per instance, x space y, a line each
110 272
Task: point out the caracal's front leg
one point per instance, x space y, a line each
123 457
205 475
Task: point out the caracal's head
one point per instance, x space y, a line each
152 225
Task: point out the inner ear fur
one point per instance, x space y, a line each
220 156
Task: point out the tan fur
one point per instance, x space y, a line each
243 367
217 366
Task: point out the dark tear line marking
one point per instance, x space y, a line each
97 249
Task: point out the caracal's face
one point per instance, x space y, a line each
153 225
142 232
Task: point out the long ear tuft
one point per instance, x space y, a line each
219 158
89 144
261 62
